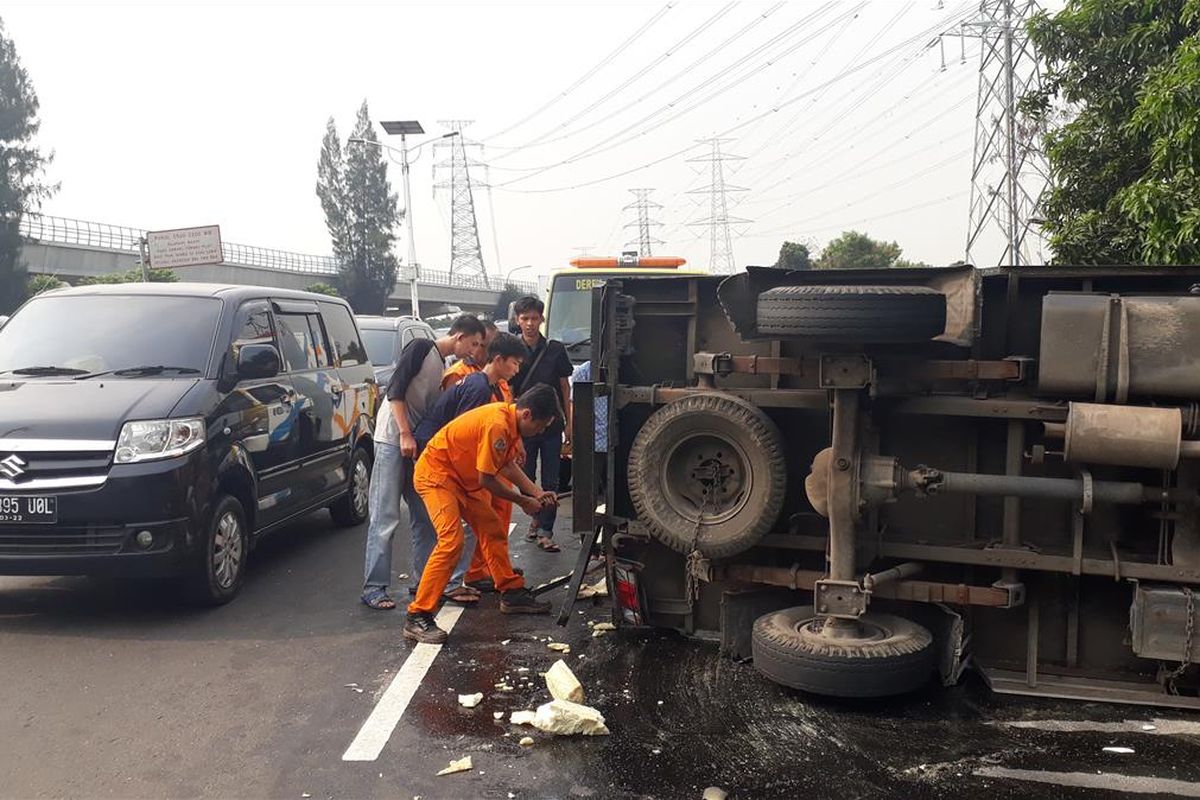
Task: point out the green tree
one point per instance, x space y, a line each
130 276
322 288
360 213
510 293
22 168
42 283
1125 167
794 255
854 250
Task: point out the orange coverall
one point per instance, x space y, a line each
447 477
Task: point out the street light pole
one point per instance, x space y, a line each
413 271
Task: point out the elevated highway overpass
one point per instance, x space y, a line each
72 249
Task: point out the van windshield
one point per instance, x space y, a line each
570 314
85 334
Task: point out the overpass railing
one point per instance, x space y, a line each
82 233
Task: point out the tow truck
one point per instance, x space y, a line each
868 480
569 303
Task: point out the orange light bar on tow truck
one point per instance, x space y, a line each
644 262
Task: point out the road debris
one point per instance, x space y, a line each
461 765
497 715
714 793
522 717
559 647
1120 751
470 700
565 718
562 683
505 642
526 741
402 576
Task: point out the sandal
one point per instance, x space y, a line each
463 595
379 600
547 545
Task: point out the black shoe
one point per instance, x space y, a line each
489 585
522 601
422 628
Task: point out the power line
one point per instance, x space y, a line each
768 61
591 72
843 75
544 140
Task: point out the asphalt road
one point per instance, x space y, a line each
111 690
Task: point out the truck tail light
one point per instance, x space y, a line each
628 598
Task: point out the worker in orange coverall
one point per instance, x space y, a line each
458 476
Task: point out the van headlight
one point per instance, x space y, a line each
150 440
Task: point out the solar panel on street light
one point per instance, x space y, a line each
406 127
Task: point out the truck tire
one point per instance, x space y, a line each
896 655
738 453
853 313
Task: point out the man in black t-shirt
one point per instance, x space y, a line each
545 362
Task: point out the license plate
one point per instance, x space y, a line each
42 510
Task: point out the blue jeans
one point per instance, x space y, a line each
391 481
547 449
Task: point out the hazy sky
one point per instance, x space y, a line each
170 114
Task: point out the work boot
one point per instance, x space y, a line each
522 601
422 628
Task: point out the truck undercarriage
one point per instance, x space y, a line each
864 478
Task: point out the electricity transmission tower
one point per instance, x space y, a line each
1008 172
466 256
643 205
718 220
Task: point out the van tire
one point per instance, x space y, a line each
218 567
352 508
853 313
898 657
721 432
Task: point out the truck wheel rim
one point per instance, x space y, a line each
359 485
227 550
706 470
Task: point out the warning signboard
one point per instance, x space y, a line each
185 247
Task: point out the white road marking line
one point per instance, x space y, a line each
1108 781
375 732
1159 727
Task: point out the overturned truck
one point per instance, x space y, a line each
863 479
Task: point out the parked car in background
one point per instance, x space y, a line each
385 337
189 420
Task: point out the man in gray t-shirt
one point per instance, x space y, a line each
414 388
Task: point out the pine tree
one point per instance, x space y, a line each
22 166
360 213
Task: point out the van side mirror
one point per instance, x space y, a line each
258 361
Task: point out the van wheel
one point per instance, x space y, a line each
219 565
712 452
351 508
889 655
853 313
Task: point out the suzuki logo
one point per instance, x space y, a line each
12 467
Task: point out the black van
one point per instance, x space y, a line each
156 429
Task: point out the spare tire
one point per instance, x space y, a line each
853 313
714 452
893 656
